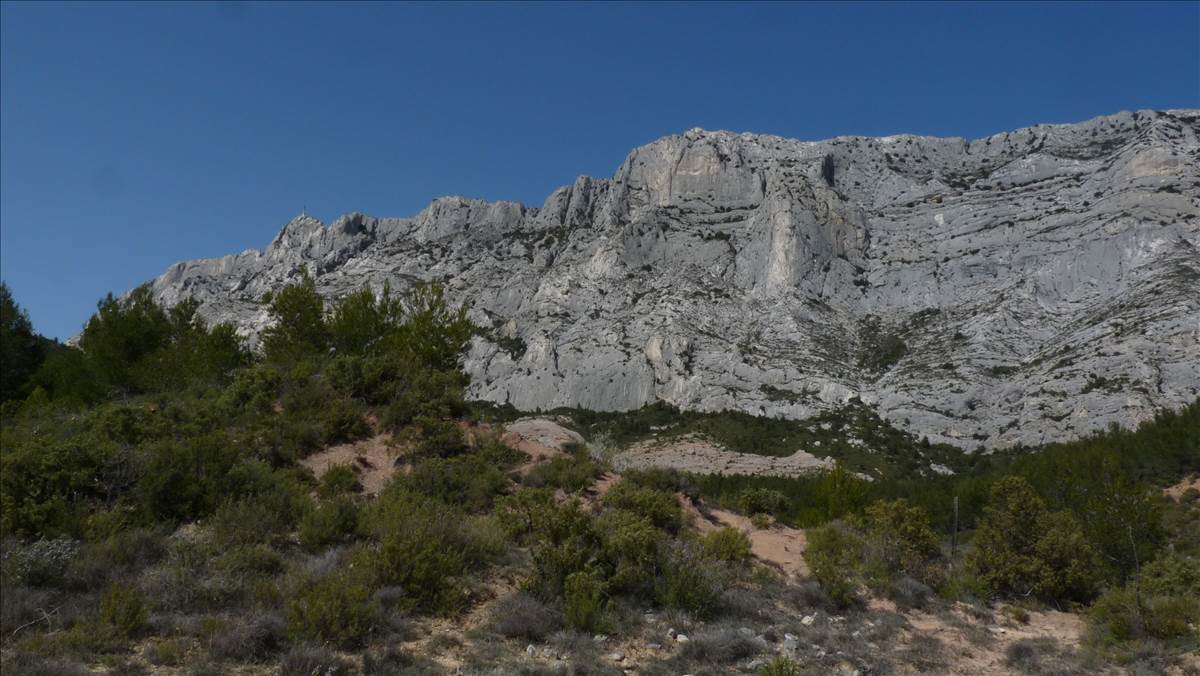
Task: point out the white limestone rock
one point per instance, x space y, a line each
1045 282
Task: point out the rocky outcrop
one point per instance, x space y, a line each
1030 286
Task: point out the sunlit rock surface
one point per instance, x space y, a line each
1034 285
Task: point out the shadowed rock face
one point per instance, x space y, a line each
1031 286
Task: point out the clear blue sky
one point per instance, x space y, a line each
137 135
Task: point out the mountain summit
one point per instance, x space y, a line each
1031 286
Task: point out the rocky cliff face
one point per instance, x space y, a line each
1030 286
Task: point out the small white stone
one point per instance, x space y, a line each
682 638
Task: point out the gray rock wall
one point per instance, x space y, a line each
1030 286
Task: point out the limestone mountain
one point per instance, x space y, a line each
1030 286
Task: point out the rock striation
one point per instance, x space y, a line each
1031 286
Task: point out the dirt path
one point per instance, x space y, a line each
779 546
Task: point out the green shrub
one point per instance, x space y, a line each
122 611
834 556
900 541
467 481
631 547
423 546
687 581
572 474
525 617
584 602
762 501
726 544
341 421
1021 549
331 522
165 652
339 480
660 507
335 609
433 438
250 560
298 322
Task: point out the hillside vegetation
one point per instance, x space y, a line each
155 515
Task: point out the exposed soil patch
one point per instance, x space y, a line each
779 546
978 643
1175 492
539 438
374 460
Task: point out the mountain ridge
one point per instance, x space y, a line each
1028 286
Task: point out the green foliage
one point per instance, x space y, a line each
834 556
335 609
469 481
434 438
21 350
298 323
572 473
899 540
781 666
762 501
341 421
122 611
332 522
422 545
659 507
584 602
630 550
687 581
339 480
1022 549
726 544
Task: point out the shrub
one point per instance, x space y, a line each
572 474
335 609
167 652
467 481
435 438
525 617
631 549
660 507
339 480
780 666
762 501
341 421
331 522
251 639
761 521
720 645
834 555
250 560
422 546
390 662
900 541
306 660
584 604
1021 549
726 544
910 593
687 582
41 563
122 611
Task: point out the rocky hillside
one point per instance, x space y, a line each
1033 285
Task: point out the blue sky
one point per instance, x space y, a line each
136 135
